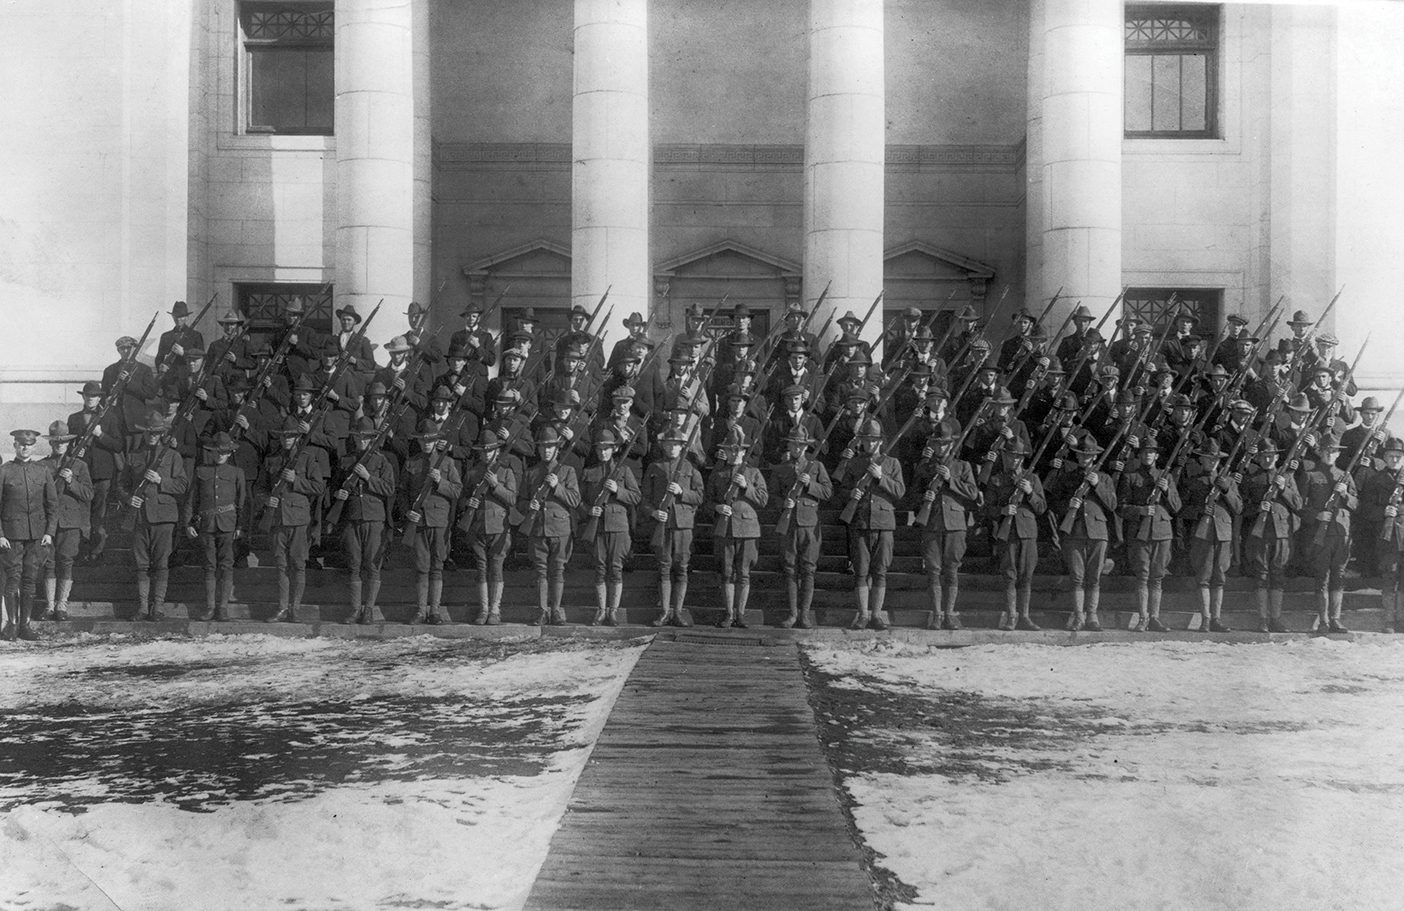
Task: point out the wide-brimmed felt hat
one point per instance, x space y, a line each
220 442
416 309
428 430
349 310
1300 404
1081 312
471 307
548 436
230 317
91 387
507 397
1300 318
635 319
364 428
1393 444
1370 403
1127 397
1179 400
457 350
1002 396
58 433
180 308
799 434
578 310
743 340
565 398
155 421
488 442
304 383
527 316
1208 447
443 394
1087 445
848 317
398 345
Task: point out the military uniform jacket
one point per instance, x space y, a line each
1136 491
229 357
496 502
743 521
437 508
616 513
349 388
484 355
303 357
28 501
557 502
1375 495
986 439
416 379
161 502
216 498
139 390
955 498
369 499
361 350
1354 439
1002 491
819 489
101 455
655 488
877 510
187 338
1094 516
1194 492
295 505
1318 479
75 499
1281 515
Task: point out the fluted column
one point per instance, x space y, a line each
610 151
375 158
844 153
1082 48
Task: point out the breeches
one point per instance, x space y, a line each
1084 559
219 552
1210 560
1267 559
151 546
58 560
364 546
1017 560
871 553
799 551
1328 562
942 552
489 551
736 557
550 554
1149 560
290 547
676 552
431 547
611 547
21 565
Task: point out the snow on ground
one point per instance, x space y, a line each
1174 775
255 772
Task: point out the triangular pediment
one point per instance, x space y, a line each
731 259
918 259
535 259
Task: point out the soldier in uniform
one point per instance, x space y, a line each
1149 499
789 414
1211 501
303 481
358 350
140 388
1337 369
366 485
1373 479
102 458
1379 503
215 508
28 522
425 344
794 319
73 487
873 482
796 371
479 344
1329 498
993 433
1014 500
304 345
636 326
801 482
551 491
491 486
949 494
969 331
735 491
1271 502
153 483
405 373
229 354
609 490
672 490
1178 350
511 377
735 417
1085 545
429 489
1071 346
176 340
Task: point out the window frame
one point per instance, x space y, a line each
1212 49
1208 304
244 50
318 299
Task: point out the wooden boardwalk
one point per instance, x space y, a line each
706 789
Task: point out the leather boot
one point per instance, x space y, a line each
951 621
158 594
373 614
860 600
421 594
1323 612
437 614
299 585
1025 621
616 595
729 602
26 611
1142 608
1009 618
792 602
743 594
665 602
211 597
495 615
226 593
1204 614
1093 623
1216 611
1077 620
1337 599
50 596
556 587
1155 625
354 588
543 602
484 604
1275 600
65 588
679 599
1387 608
1261 595
283 587
934 597
806 617
877 595
601 604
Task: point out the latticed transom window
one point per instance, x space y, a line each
1172 67
265 305
1155 304
288 63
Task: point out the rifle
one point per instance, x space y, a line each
861 488
1366 449
733 490
1001 532
1087 351
258 383
470 512
1270 492
598 307
930 322
492 308
1077 425
1070 519
590 528
782 524
1211 499
193 323
1338 386
353 481
109 400
923 514
668 498
1023 357
1308 336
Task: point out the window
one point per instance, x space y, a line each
264 304
1172 72
1153 304
287 58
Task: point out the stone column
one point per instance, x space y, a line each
375 159
1033 165
844 154
1082 43
611 155
424 169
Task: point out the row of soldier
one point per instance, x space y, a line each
438 447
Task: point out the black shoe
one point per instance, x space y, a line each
1264 627
46 614
152 615
60 615
1027 625
28 634
1075 623
952 622
663 619
724 622
278 617
432 620
677 619
1092 625
1334 626
1156 626
8 633
1275 625
741 621
1219 626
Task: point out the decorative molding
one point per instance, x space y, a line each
785 268
556 156
976 273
